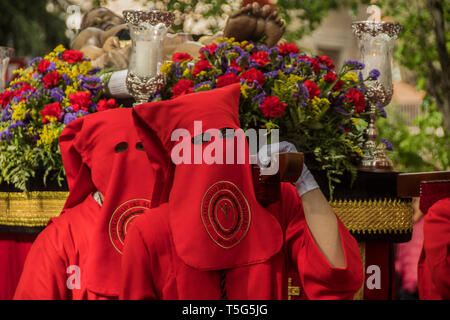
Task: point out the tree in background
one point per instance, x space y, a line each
32 27
423 47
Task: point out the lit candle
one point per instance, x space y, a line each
375 13
145 58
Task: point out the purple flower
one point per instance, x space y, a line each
203 84
361 81
66 79
81 113
374 74
353 64
259 98
93 71
242 56
6 134
57 94
38 59
69 117
51 67
388 144
383 112
17 124
93 84
271 74
6 115
341 110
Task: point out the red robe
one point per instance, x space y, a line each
101 152
63 243
434 262
151 268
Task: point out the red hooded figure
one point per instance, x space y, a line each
78 255
434 262
212 239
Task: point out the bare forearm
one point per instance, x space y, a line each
323 224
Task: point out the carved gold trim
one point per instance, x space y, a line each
32 209
375 216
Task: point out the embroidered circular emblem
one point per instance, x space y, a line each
225 214
121 218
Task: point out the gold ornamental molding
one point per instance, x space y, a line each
33 209
375 217
361 217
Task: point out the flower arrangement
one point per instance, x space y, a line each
43 97
321 110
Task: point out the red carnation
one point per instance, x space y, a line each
261 58
200 66
314 63
52 110
182 87
80 100
326 61
235 66
211 49
106 104
43 66
253 74
72 56
313 90
226 79
5 98
331 77
181 56
356 98
286 48
272 107
51 79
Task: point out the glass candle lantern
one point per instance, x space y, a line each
376 41
5 55
148 30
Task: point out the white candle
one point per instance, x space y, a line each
145 58
375 13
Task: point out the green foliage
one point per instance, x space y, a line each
20 161
424 45
421 151
29 28
310 13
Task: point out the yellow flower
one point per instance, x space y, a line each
59 49
201 74
70 90
350 77
354 148
48 135
166 67
232 55
34 114
223 39
293 78
203 87
20 111
244 90
320 105
186 73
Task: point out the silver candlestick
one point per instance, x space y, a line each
376 42
148 30
5 55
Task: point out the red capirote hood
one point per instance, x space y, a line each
103 152
431 192
215 219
